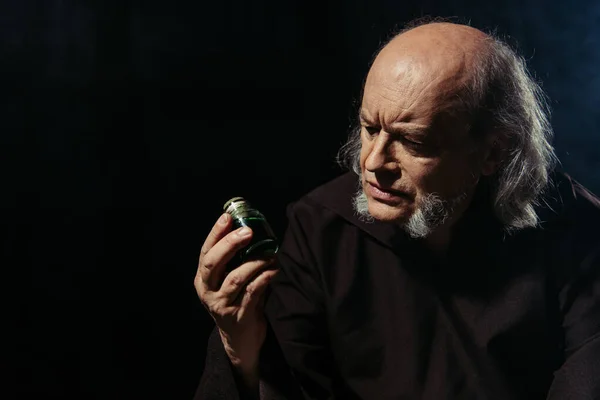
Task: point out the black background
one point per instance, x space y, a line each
127 124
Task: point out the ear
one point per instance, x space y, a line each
494 154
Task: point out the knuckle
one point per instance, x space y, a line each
203 250
208 263
235 240
216 309
251 290
231 239
214 233
235 281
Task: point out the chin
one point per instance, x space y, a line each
389 213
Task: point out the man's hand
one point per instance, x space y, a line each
234 300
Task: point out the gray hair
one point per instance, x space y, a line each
503 99
431 212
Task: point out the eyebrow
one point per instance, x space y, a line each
363 116
407 127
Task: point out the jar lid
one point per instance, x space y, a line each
231 201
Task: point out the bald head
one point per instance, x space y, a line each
437 56
435 41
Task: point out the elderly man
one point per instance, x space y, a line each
452 262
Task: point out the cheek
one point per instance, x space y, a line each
419 170
445 175
365 149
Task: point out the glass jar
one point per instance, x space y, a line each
264 243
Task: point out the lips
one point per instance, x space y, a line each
386 194
388 190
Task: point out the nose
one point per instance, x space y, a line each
379 155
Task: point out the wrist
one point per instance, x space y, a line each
247 375
246 365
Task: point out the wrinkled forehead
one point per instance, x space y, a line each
424 77
411 88
413 96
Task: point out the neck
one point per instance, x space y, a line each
439 241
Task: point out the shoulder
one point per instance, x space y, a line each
331 201
567 204
570 220
325 219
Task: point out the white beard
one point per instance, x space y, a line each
432 211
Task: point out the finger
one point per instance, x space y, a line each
218 231
240 277
255 290
212 266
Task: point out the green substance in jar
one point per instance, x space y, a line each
264 243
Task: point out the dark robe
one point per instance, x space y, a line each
360 310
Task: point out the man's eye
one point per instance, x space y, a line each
371 130
416 145
421 149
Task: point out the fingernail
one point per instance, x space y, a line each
223 219
245 231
